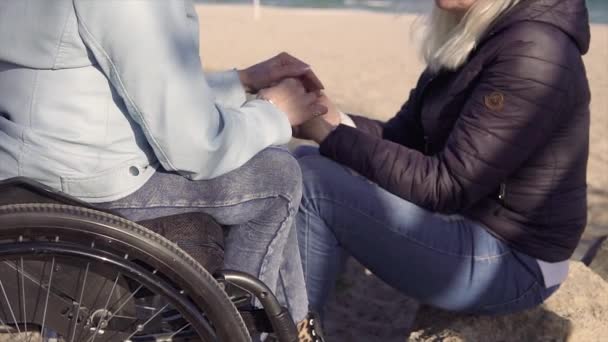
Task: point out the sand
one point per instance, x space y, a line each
368 63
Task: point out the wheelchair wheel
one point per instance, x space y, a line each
83 275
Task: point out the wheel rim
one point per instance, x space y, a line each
93 310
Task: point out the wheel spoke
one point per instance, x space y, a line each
180 330
140 327
48 292
105 308
115 312
93 305
23 311
125 302
10 308
75 322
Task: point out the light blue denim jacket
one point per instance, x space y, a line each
96 94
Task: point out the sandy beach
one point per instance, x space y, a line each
368 63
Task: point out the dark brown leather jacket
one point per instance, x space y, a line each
503 140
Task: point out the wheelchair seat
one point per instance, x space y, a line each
21 190
196 233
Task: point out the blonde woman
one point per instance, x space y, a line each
472 198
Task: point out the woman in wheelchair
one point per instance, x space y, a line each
107 102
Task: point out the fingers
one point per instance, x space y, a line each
287 59
289 71
311 101
290 66
311 81
309 98
298 72
293 85
318 109
293 99
297 88
308 78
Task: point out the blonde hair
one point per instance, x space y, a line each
447 39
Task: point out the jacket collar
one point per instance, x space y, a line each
570 16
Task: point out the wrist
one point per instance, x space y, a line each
323 132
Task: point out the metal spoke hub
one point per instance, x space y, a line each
98 321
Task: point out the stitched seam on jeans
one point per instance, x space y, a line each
271 245
474 257
304 252
197 204
187 243
513 301
281 282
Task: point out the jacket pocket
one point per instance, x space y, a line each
110 184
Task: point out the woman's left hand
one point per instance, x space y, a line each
319 128
276 69
316 130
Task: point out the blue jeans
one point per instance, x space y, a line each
256 203
448 262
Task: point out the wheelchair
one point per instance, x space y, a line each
71 272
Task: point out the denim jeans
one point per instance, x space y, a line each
256 203
448 262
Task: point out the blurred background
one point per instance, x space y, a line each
598 8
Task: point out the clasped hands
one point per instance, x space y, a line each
292 86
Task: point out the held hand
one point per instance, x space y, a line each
333 113
291 97
276 69
316 130
319 128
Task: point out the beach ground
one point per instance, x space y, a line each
368 63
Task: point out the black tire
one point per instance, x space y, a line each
122 237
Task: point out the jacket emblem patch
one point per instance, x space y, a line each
495 101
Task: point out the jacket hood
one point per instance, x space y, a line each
571 16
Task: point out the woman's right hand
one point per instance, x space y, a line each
291 97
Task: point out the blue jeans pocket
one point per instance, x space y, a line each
532 297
